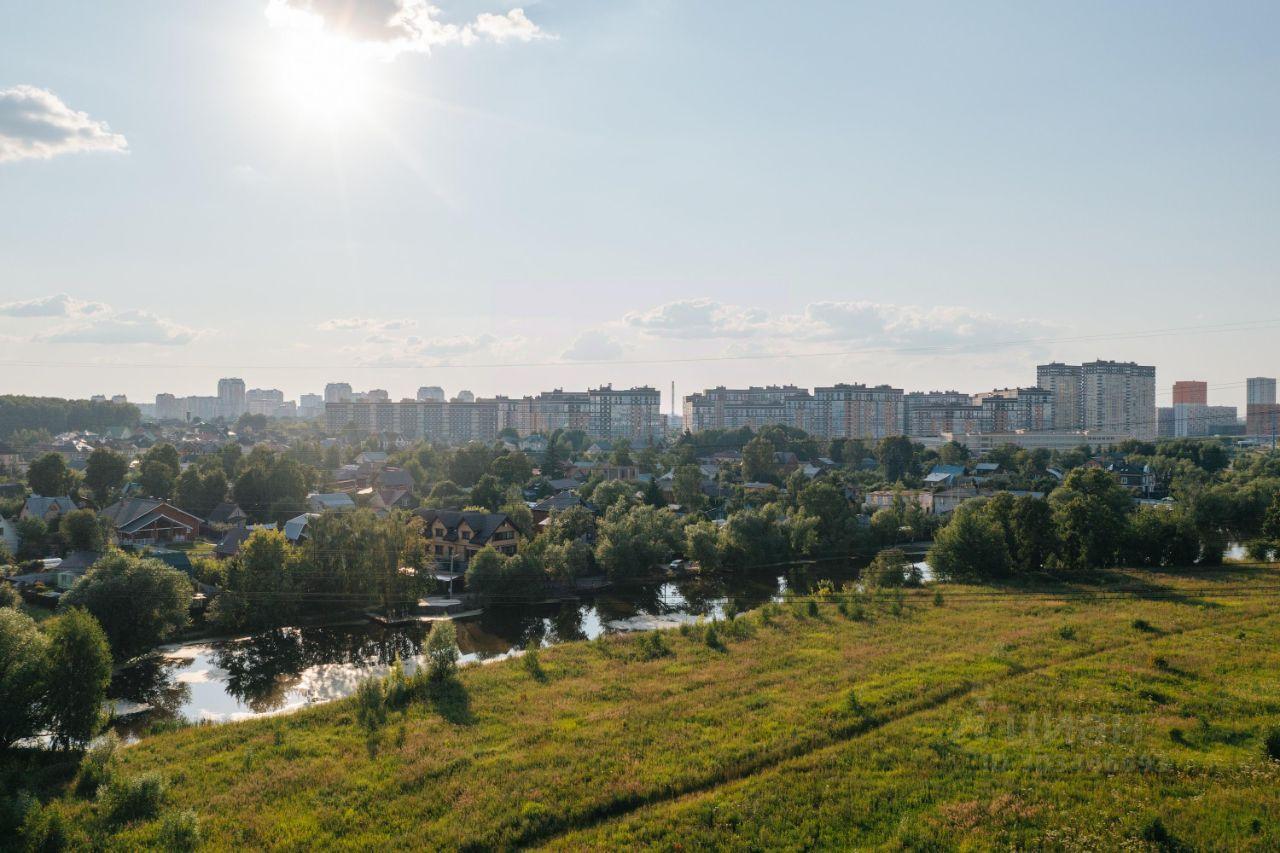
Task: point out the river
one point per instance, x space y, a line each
289 668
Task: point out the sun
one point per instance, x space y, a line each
326 77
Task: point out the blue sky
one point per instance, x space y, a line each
490 206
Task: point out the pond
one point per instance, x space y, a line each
289 668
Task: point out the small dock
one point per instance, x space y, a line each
431 609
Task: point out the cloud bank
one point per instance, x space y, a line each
391 27
36 125
78 321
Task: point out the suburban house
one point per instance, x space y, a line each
331 502
543 509
1140 481
453 535
9 457
295 529
147 521
226 514
47 509
944 476
231 541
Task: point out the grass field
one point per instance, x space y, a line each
1062 717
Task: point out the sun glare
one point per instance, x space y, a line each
325 77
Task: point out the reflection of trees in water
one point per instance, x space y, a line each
262 669
151 680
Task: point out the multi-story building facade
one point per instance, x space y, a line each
432 393
310 406
1119 396
1191 391
231 398
734 408
1261 391
1063 381
264 401
1263 421
858 411
1166 422
928 413
1016 409
338 392
634 414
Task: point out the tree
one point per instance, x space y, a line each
971 546
484 572
1090 510
753 538
758 464
896 455
104 471
1271 523
469 463
613 493
702 544
445 495
200 489
653 494
262 581
1034 538
270 487
891 567
23 664
953 453
553 458
572 524
157 479
512 469
488 493
621 452
78 674
82 530
33 534
635 540
686 487
50 476
441 651
836 524
139 602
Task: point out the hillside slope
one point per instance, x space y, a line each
997 717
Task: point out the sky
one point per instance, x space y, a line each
508 198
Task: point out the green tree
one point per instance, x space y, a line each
633 541
702 544
157 479
445 495
200 489
891 567
82 530
1090 513
953 453
754 538
441 651
653 494
469 463
488 492
139 602
104 471
686 487
1034 537
23 677
553 458
484 572
33 534
896 455
758 464
613 493
970 547
622 452
512 469
79 671
50 476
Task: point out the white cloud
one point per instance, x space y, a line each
361 324
58 305
593 345
439 347
859 323
120 327
513 26
391 27
36 124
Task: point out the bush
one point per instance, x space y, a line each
938 601
43 829
712 638
1066 632
180 831
133 798
1272 744
441 651
532 663
98 765
371 703
652 646
812 607
1142 625
9 596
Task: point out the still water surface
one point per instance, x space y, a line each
289 668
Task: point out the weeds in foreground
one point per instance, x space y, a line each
532 663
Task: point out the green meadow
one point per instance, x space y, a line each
1130 712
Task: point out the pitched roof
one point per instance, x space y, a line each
226 513
482 524
395 478
40 505
333 500
130 514
556 502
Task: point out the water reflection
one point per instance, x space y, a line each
288 668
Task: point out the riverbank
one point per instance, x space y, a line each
1055 714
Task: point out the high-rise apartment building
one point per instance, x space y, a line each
231 398
1261 390
631 413
1119 396
431 392
338 392
1191 391
1063 381
858 411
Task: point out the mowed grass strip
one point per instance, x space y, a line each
1153 745
508 759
